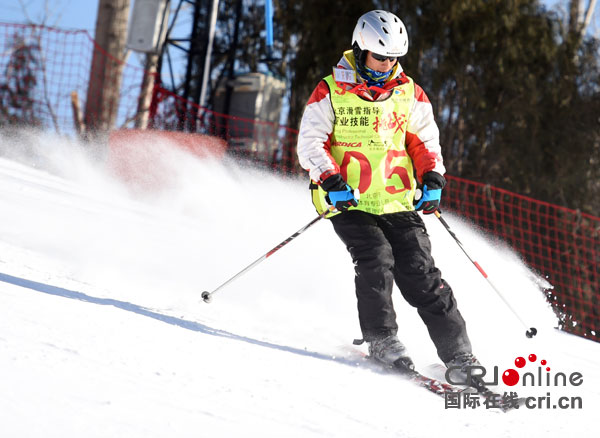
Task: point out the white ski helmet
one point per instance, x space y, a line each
380 32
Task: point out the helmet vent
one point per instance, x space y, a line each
382 43
385 30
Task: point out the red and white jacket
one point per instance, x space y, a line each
316 127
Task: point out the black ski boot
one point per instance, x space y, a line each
458 374
391 352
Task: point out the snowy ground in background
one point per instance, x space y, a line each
102 331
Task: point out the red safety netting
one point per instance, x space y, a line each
41 66
39 69
560 244
268 144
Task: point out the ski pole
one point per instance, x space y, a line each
207 296
531 331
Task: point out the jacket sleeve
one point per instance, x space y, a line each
423 137
314 137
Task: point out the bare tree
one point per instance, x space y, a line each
102 101
580 16
43 20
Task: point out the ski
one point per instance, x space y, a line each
453 395
456 396
435 386
504 402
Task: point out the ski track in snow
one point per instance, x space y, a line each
103 331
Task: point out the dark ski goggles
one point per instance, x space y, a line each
382 58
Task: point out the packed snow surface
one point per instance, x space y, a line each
103 332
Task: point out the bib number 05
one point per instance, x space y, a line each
366 172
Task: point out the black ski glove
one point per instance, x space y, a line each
434 180
431 193
339 194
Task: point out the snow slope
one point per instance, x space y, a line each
103 333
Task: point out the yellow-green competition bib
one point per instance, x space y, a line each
368 143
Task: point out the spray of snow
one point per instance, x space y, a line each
103 332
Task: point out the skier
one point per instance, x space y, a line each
368 126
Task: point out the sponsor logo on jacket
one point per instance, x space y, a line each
347 144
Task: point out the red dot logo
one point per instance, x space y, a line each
532 357
510 377
520 362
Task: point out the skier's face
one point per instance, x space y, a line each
380 63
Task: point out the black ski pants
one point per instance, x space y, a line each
396 247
